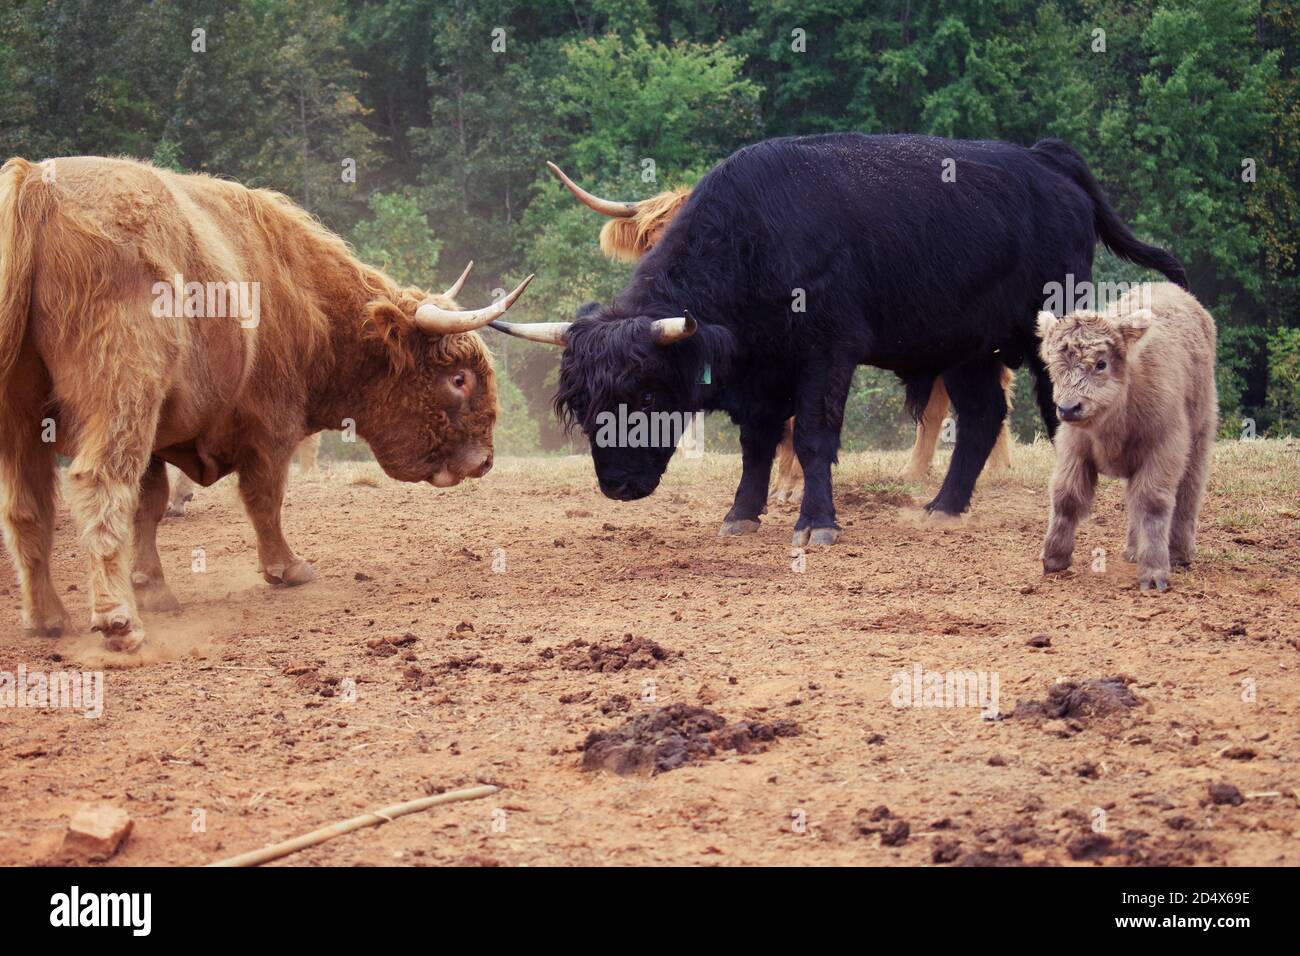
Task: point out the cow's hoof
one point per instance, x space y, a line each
153 595
52 625
914 474
1153 581
806 536
735 526
45 630
1180 559
119 631
300 572
824 536
1051 564
1130 555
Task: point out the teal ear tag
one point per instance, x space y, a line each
707 377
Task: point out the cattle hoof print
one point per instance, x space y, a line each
738 526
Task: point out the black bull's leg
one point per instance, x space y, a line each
976 392
758 441
819 415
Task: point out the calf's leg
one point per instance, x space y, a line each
1074 482
1151 505
262 479
976 392
28 470
151 590
819 416
758 440
1187 503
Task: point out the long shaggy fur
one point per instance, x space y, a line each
84 241
629 238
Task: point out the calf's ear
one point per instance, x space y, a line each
1045 322
1134 325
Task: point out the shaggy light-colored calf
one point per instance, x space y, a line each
1134 388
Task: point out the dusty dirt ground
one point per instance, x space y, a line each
241 706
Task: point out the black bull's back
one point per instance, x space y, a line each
906 252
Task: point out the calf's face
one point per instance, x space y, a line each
1086 354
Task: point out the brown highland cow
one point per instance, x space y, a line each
99 362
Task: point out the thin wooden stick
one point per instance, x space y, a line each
386 815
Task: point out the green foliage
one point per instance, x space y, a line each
875 416
630 102
397 239
1284 380
516 432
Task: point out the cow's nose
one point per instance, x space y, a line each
484 468
1070 413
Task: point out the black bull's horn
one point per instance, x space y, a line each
664 331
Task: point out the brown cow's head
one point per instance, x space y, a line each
1086 354
431 419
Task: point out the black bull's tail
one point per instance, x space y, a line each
1111 229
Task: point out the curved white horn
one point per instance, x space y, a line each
436 320
548 333
454 289
606 207
668 331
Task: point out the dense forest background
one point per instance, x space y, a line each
1187 110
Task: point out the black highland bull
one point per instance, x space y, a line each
898 268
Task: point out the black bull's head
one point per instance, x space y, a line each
631 384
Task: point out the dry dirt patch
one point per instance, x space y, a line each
407 667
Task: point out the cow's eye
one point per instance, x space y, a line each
458 380
1101 365
647 401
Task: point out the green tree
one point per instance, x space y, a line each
397 239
